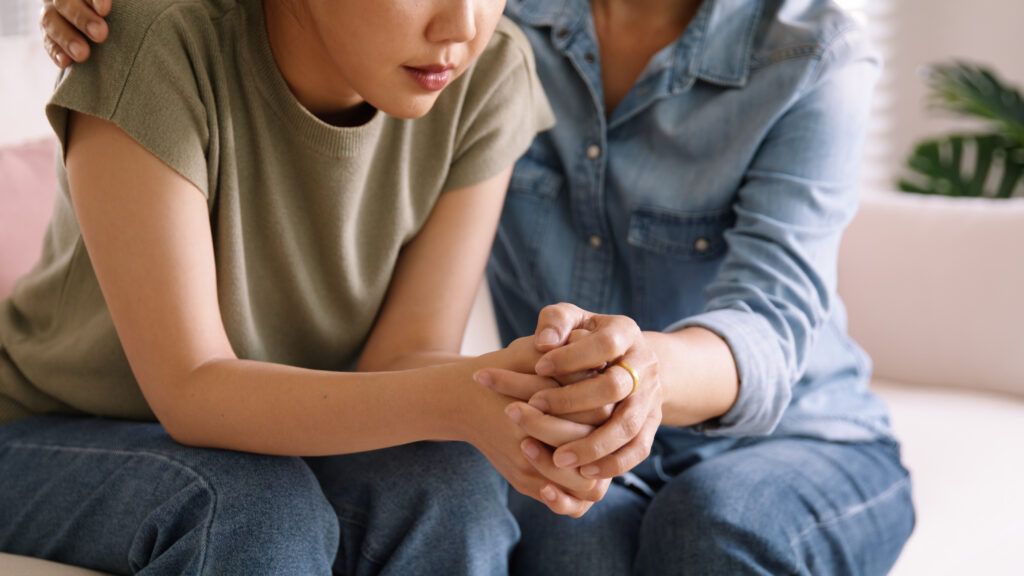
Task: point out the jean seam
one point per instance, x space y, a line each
166 459
850 512
366 550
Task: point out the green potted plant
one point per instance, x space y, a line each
986 164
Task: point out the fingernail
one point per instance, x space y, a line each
565 459
547 337
544 367
482 377
76 49
548 493
513 413
93 29
540 403
590 470
530 449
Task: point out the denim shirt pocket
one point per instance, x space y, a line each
674 255
698 236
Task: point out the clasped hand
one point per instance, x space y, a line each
582 420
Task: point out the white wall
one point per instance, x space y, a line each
26 74
26 79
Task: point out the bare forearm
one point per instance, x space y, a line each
275 409
698 375
409 361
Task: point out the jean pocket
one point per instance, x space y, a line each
696 236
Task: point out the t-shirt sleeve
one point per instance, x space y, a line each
504 109
146 79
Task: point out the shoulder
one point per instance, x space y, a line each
507 51
140 21
808 29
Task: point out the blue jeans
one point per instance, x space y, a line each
732 507
122 497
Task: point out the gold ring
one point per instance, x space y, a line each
632 373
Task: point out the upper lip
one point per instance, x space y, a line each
433 68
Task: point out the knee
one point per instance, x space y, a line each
714 526
262 511
454 478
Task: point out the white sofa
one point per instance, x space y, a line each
935 290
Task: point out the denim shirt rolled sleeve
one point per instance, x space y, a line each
777 285
714 194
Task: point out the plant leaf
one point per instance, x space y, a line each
981 165
973 90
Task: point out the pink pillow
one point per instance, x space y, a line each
27 185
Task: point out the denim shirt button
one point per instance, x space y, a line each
701 244
595 241
589 58
562 33
593 151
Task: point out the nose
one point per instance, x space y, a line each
454 22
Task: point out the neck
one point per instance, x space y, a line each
669 13
311 77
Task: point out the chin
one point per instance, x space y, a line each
409 108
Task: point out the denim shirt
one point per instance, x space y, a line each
714 195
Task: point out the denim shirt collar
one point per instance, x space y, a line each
724 29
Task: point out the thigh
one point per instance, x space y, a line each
421 508
122 496
782 506
602 542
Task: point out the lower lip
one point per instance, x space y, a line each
429 81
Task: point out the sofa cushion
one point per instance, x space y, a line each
27 185
963 451
935 289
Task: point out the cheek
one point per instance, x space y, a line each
488 13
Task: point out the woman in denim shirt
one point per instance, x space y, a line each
689 205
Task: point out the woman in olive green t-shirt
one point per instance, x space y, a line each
255 199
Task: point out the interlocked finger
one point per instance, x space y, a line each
551 430
609 387
628 457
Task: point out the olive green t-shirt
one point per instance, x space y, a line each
308 219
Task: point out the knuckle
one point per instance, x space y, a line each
47 15
598 448
643 451
596 493
620 384
631 423
622 462
607 341
562 403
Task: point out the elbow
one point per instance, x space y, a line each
178 402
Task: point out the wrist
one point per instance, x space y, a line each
699 379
